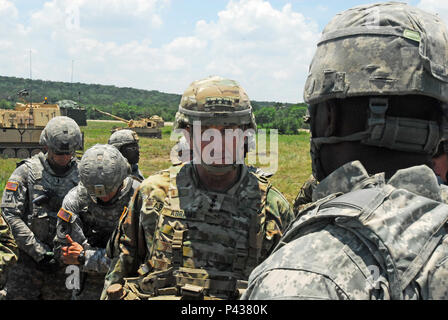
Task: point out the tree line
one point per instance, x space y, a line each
130 103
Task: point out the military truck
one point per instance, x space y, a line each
20 128
145 127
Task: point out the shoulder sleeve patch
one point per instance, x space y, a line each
12 186
65 215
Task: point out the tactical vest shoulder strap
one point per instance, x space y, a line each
257 228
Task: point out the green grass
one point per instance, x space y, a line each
294 165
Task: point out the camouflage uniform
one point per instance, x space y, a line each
124 137
179 239
8 253
90 222
363 237
34 224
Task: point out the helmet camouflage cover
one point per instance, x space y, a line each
380 49
376 51
61 134
123 137
215 101
102 169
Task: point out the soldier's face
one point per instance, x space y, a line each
219 144
61 160
131 152
109 196
440 165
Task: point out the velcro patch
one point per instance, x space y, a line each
124 212
65 215
11 185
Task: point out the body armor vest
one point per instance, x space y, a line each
100 220
208 240
52 190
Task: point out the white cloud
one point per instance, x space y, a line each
7 9
435 6
267 50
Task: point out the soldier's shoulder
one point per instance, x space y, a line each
76 194
157 181
274 196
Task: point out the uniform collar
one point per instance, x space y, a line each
43 158
242 174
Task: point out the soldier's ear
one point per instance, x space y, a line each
324 119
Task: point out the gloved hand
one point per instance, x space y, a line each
48 264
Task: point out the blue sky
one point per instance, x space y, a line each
164 45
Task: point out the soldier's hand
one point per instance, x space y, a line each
71 253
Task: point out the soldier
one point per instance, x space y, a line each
197 229
126 141
90 214
8 253
377 93
31 199
440 162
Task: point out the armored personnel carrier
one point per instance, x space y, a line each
20 128
146 127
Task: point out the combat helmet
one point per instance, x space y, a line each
102 169
215 101
377 51
123 137
61 135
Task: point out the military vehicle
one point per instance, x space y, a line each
145 127
20 128
72 110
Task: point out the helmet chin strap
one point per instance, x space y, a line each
402 134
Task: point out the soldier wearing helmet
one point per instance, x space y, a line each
197 229
377 93
90 213
30 202
126 141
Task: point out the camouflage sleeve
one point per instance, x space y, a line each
69 223
134 235
278 216
8 250
15 207
123 245
283 284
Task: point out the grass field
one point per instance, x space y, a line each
293 169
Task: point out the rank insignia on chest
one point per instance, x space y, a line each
65 215
12 186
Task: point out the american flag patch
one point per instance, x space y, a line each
13 186
65 215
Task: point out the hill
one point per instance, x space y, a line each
130 103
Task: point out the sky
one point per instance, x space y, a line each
164 45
